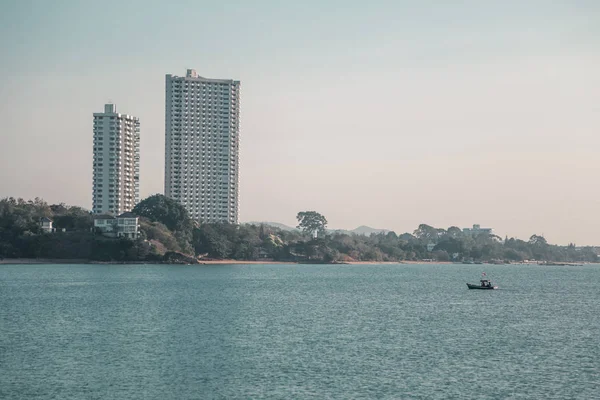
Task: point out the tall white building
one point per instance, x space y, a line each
116 162
202 126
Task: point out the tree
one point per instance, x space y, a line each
428 233
450 245
213 240
454 232
174 216
167 211
440 255
407 237
158 232
538 240
71 218
311 222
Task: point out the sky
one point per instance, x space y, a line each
380 113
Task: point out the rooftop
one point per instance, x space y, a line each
127 215
192 74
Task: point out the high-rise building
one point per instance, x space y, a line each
202 145
116 162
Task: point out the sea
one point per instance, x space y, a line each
404 331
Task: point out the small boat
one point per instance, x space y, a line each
486 284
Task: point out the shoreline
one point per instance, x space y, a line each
42 261
45 261
28 261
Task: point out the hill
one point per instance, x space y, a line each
168 234
361 230
367 230
277 225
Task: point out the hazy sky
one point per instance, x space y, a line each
383 113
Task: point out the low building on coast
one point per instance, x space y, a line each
46 225
125 225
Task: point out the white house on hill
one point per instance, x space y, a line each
46 225
125 225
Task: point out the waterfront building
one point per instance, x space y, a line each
46 225
116 162
125 225
202 145
477 230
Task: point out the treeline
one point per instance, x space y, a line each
165 233
21 235
168 234
251 242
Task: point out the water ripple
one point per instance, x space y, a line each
301 331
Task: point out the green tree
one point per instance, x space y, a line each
454 232
428 233
174 216
440 255
450 245
156 231
311 223
209 241
164 210
538 240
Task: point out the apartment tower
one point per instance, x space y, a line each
202 145
116 162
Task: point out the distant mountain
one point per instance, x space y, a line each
278 225
367 230
361 230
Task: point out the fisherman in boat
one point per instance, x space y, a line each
484 284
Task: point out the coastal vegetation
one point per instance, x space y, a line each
21 235
312 223
168 234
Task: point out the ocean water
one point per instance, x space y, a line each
298 332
